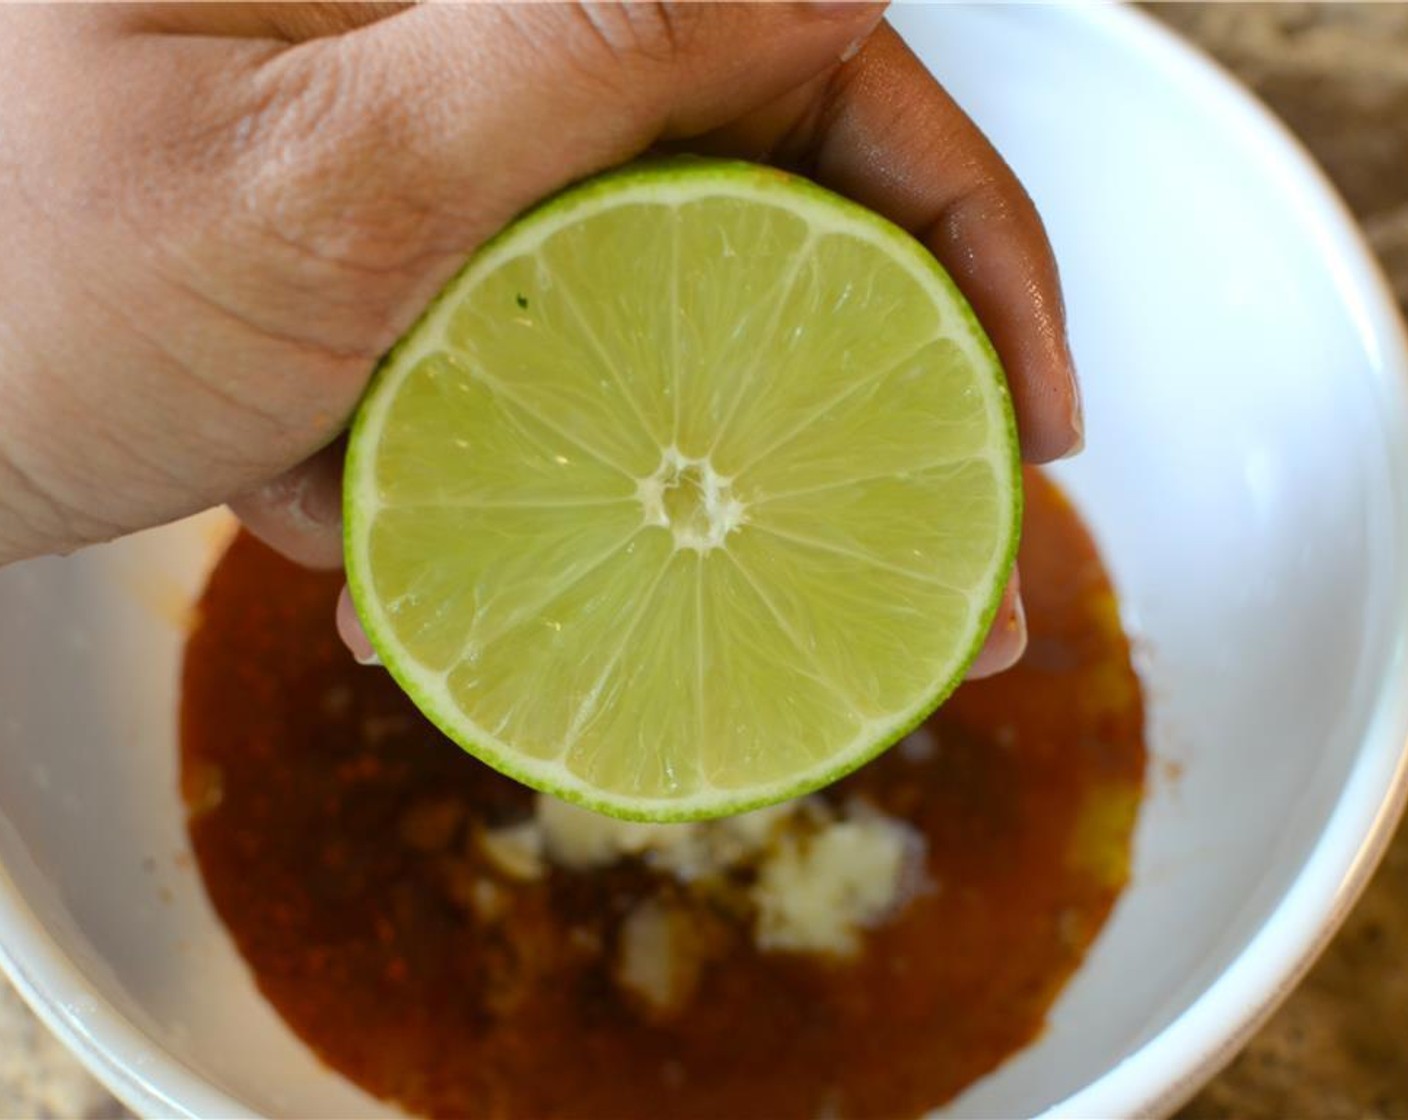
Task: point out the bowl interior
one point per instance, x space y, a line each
1245 417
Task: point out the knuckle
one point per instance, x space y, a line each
653 33
280 213
330 171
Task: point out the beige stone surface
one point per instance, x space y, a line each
1338 74
39 1079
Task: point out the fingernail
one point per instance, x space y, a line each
1077 418
1008 641
1077 441
354 637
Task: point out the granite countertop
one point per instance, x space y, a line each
1338 74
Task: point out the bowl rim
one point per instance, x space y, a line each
1165 1071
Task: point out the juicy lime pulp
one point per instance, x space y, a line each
697 488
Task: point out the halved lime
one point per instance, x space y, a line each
696 489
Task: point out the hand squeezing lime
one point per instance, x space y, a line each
696 489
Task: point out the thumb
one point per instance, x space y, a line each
468 113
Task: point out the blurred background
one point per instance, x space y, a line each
1337 73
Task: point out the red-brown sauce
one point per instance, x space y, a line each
333 827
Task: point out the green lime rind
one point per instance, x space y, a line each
697 174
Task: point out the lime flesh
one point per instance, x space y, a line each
697 488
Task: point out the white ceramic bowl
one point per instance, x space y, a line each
1246 474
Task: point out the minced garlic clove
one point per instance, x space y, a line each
514 851
659 958
816 892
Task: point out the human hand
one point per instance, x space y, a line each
219 216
